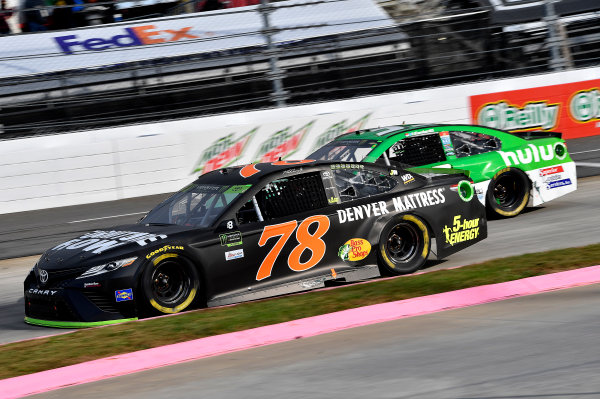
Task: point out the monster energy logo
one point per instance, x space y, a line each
507 117
585 105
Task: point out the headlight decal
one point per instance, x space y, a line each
107 267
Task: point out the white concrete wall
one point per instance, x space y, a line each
125 162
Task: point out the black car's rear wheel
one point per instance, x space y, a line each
508 193
170 283
403 246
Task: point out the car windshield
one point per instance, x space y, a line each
197 205
344 150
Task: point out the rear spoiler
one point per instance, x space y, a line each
537 134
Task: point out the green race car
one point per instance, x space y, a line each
509 169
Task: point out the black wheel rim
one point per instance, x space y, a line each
402 243
506 193
170 283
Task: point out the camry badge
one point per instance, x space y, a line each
43 276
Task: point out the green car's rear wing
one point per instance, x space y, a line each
537 134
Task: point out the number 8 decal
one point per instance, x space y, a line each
306 241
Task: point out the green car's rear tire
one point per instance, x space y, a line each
508 193
403 246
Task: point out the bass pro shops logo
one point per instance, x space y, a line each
533 115
136 36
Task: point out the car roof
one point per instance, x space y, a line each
382 133
257 172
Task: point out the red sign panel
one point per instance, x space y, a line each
572 109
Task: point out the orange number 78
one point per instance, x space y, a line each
306 240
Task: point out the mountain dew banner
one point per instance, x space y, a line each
267 143
572 109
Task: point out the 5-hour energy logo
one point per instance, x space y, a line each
461 230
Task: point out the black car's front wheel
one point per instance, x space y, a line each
508 193
403 245
170 283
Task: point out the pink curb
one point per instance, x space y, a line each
212 346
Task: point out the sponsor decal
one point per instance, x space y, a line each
559 183
313 283
407 178
571 108
419 133
401 204
99 241
282 144
393 172
236 254
91 285
551 170
238 189
164 249
354 249
223 152
333 200
124 295
461 230
333 273
135 36
231 239
292 171
337 129
37 291
531 153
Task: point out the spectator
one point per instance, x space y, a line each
35 15
210 5
62 17
97 14
5 13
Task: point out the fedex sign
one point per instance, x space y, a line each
136 36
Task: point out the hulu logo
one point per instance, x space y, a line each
533 154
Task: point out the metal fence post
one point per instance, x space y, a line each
555 40
275 74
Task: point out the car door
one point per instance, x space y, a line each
283 231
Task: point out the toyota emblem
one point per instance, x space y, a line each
43 276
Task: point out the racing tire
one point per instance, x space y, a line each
404 246
508 193
170 284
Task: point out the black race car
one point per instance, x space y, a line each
243 233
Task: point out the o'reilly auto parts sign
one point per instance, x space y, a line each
572 109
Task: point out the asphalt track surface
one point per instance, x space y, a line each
539 346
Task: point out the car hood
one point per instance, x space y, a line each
102 246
